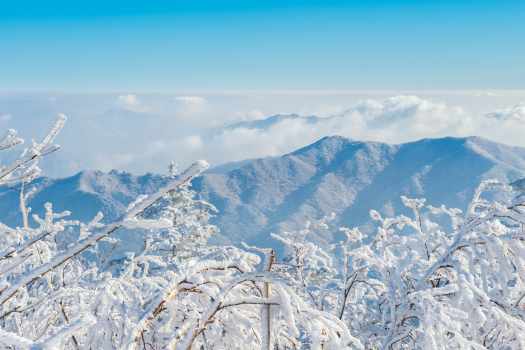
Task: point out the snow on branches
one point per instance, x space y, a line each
179 292
437 279
25 166
432 279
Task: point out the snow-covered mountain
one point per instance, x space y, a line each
334 174
84 194
349 178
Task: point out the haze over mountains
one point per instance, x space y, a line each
334 174
143 132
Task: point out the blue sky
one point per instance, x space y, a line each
166 46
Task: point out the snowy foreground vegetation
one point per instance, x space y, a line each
437 279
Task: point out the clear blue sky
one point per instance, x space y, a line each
172 45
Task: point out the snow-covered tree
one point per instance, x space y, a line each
197 295
439 279
178 292
435 279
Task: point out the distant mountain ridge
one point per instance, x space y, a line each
349 178
334 174
84 194
270 121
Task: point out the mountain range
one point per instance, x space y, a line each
333 175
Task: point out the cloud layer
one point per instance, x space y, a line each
144 133
393 120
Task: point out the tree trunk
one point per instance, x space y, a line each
265 314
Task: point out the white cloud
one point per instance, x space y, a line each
394 120
186 127
506 125
404 118
192 109
130 103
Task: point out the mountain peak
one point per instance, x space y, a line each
334 174
348 177
330 142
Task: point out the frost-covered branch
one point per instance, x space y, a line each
25 166
84 244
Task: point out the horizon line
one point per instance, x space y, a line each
488 92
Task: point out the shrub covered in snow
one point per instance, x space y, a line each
438 279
